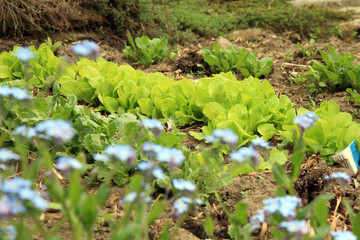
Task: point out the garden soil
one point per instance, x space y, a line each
254 187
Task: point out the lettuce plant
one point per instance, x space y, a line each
231 59
147 51
336 73
36 71
332 132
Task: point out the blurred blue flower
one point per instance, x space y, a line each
341 178
258 219
158 173
60 130
286 205
183 185
20 94
24 54
101 157
343 235
121 152
86 48
17 206
27 194
17 93
245 153
5 91
24 132
306 120
67 163
40 203
153 125
6 155
144 165
297 227
16 191
5 207
271 205
181 205
312 115
150 149
259 142
170 155
199 201
226 136
15 185
130 197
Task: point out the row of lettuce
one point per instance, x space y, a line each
249 107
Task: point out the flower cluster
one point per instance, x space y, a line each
172 156
306 120
341 178
245 153
24 54
156 171
341 234
67 164
182 204
296 227
16 192
259 142
226 136
16 93
5 156
285 206
118 152
181 184
153 125
258 219
130 197
86 49
59 130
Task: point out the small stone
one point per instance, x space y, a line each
223 42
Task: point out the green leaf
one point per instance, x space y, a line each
267 130
245 72
322 84
69 87
93 143
103 193
208 226
280 175
89 212
111 104
146 106
356 225
241 213
212 110
131 40
296 162
157 209
5 72
321 212
321 232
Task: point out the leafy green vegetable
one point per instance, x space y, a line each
37 72
338 71
333 132
231 59
145 51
